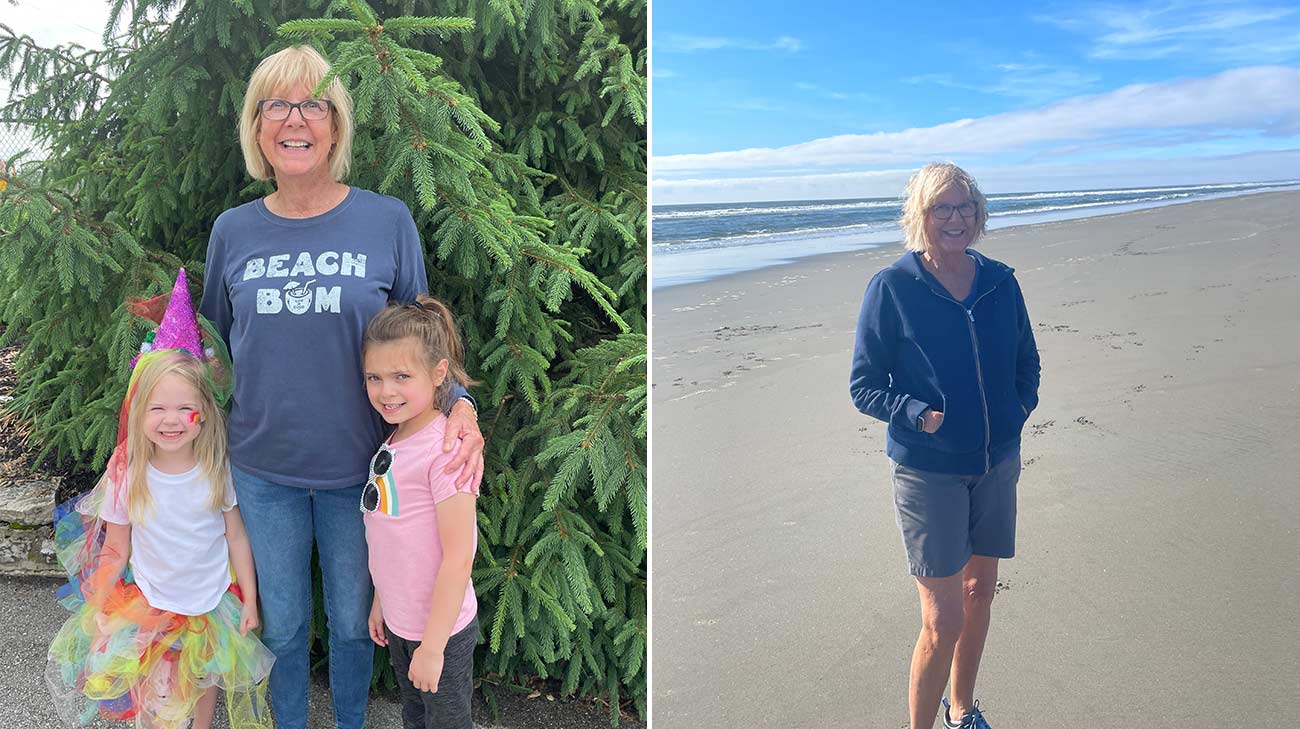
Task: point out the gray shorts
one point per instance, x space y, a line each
945 518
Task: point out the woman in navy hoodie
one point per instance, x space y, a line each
945 355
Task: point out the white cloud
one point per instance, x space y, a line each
1034 83
1204 28
678 43
788 187
835 94
1260 100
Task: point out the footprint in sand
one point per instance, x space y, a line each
729 333
805 326
1057 328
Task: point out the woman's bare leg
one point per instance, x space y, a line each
941 626
978 580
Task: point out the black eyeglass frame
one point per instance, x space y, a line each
954 210
329 108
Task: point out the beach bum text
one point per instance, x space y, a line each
298 297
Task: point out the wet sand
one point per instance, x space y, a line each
1158 570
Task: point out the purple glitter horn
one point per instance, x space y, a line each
179 328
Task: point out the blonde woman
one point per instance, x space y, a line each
291 280
945 355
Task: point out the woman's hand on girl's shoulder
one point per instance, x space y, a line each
462 425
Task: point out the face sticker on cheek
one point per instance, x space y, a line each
195 418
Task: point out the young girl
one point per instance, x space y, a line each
157 623
420 528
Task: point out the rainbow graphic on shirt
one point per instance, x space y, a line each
387 494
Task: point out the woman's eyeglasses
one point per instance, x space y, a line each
379 466
279 109
944 211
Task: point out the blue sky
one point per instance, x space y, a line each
770 101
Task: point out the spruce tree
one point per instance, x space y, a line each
514 130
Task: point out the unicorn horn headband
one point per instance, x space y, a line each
179 326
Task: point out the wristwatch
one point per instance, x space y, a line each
920 420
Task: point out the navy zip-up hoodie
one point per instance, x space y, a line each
974 361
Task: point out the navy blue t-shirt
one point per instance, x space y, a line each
291 297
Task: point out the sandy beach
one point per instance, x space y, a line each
1158 569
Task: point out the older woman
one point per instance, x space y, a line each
945 355
291 281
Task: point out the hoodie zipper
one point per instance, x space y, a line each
979 370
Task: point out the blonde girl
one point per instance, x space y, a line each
158 624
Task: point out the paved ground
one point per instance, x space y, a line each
29 618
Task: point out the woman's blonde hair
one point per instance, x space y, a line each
924 188
432 325
209 445
290 67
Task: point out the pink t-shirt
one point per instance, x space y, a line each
402 534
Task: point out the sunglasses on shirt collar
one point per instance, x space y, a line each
379 467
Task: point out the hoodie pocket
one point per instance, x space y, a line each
962 430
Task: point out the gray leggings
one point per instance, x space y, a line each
449 707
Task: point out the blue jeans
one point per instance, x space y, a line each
282 522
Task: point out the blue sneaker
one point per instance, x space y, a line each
972 719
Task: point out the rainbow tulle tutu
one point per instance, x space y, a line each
121 659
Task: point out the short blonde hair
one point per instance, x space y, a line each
924 188
209 444
290 67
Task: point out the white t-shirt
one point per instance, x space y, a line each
179 554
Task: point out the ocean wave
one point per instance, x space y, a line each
1094 204
793 232
1131 191
731 212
